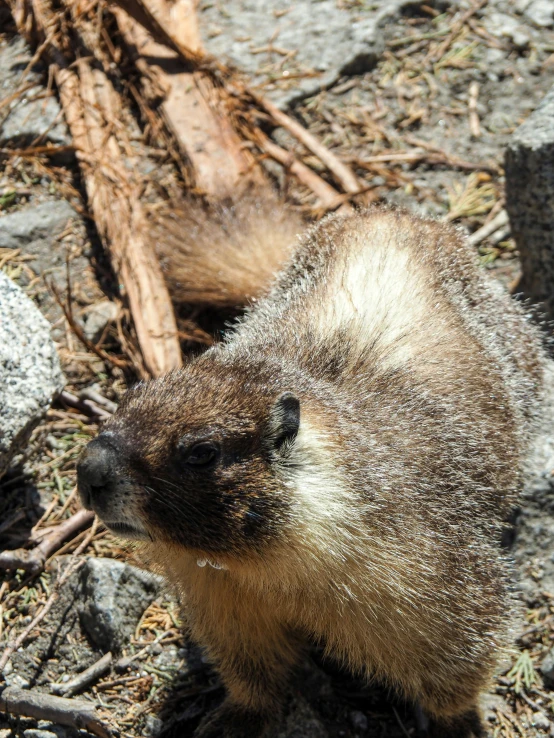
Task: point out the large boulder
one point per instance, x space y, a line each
530 202
30 373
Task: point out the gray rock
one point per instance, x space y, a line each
315 38
152 726
97 318
30 373
489 703
540 720
58 730
358 721
503 25
37 733
115 596
31 114
530 201
547 668
30 119
540 12
35 223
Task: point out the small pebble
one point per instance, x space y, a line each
152 727
358 721
541 721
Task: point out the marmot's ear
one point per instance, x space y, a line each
284 421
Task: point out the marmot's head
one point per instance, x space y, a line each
198 458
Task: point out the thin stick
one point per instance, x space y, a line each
343 173
12 520
499 221
85 405
33 561
74 713
327 194
85 678
474 125
88 393
414 157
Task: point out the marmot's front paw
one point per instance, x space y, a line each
232 721
468 725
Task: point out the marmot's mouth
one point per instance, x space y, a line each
124 530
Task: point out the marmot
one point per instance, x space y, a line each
338 468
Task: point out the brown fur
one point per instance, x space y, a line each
226 256
374 524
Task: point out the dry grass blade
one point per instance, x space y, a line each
523 672
475 197
456 28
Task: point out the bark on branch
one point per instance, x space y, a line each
92 110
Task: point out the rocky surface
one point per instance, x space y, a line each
34 227
35 115
30 373
530 201
293 50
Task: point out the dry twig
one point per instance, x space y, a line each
85 678
85 405
33 561
328 196
498 222
474 125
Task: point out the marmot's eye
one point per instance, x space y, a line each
203 453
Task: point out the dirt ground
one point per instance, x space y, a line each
404 126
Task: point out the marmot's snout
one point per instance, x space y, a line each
104 488
96 471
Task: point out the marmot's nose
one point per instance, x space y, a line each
96 470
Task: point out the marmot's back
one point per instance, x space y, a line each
409 292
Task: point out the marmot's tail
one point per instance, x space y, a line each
224 256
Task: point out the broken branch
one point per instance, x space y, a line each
74 713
